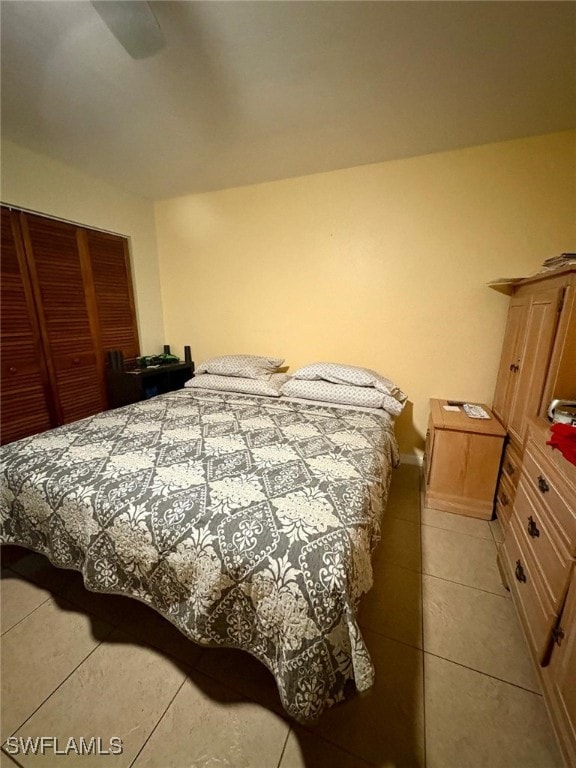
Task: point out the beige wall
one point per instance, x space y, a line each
383 265
38 183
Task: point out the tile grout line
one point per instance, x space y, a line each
5 632
158 723
460 533
10 757
468 586
327 740
284 747
392 639
61 683
425 733
451 581
485 674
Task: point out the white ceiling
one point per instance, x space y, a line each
246 92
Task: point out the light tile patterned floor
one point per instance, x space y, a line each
454 687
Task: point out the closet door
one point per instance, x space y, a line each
26 397
113 296
59 273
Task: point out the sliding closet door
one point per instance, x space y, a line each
26 398
114 299
60 274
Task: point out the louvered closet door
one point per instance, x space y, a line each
110 266
25 386
59 275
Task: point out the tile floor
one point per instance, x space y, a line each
454 685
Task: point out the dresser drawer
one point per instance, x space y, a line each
554 493
511 467
536 613
539 538
504 499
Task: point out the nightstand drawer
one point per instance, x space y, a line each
553 492
537 537
537 615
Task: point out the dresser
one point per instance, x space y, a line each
538 363
537 560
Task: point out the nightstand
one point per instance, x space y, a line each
461 461
130 385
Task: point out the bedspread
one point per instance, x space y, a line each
246 522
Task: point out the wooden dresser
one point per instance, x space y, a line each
538 560
538 364
536 495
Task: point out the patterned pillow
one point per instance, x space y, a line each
246 366
347 394
248 386
350 374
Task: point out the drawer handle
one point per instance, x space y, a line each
519 572
13 370
542 484
510 468
76 361
504 499
533 528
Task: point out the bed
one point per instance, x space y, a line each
248 522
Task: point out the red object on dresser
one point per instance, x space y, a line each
564 439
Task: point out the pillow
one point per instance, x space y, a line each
346 394
350 374
248 386
246 366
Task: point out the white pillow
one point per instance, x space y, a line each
346 394
352 375
248 386
246 366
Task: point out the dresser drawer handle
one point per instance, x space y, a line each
13 370
510 468
533 528
519 572
76 361
542 484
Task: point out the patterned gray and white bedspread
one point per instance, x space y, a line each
246 522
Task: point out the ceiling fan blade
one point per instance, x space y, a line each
133 24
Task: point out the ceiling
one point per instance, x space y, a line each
245 92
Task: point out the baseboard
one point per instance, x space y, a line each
410 458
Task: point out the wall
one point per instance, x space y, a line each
40 184
382 265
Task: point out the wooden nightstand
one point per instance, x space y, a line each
462 460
